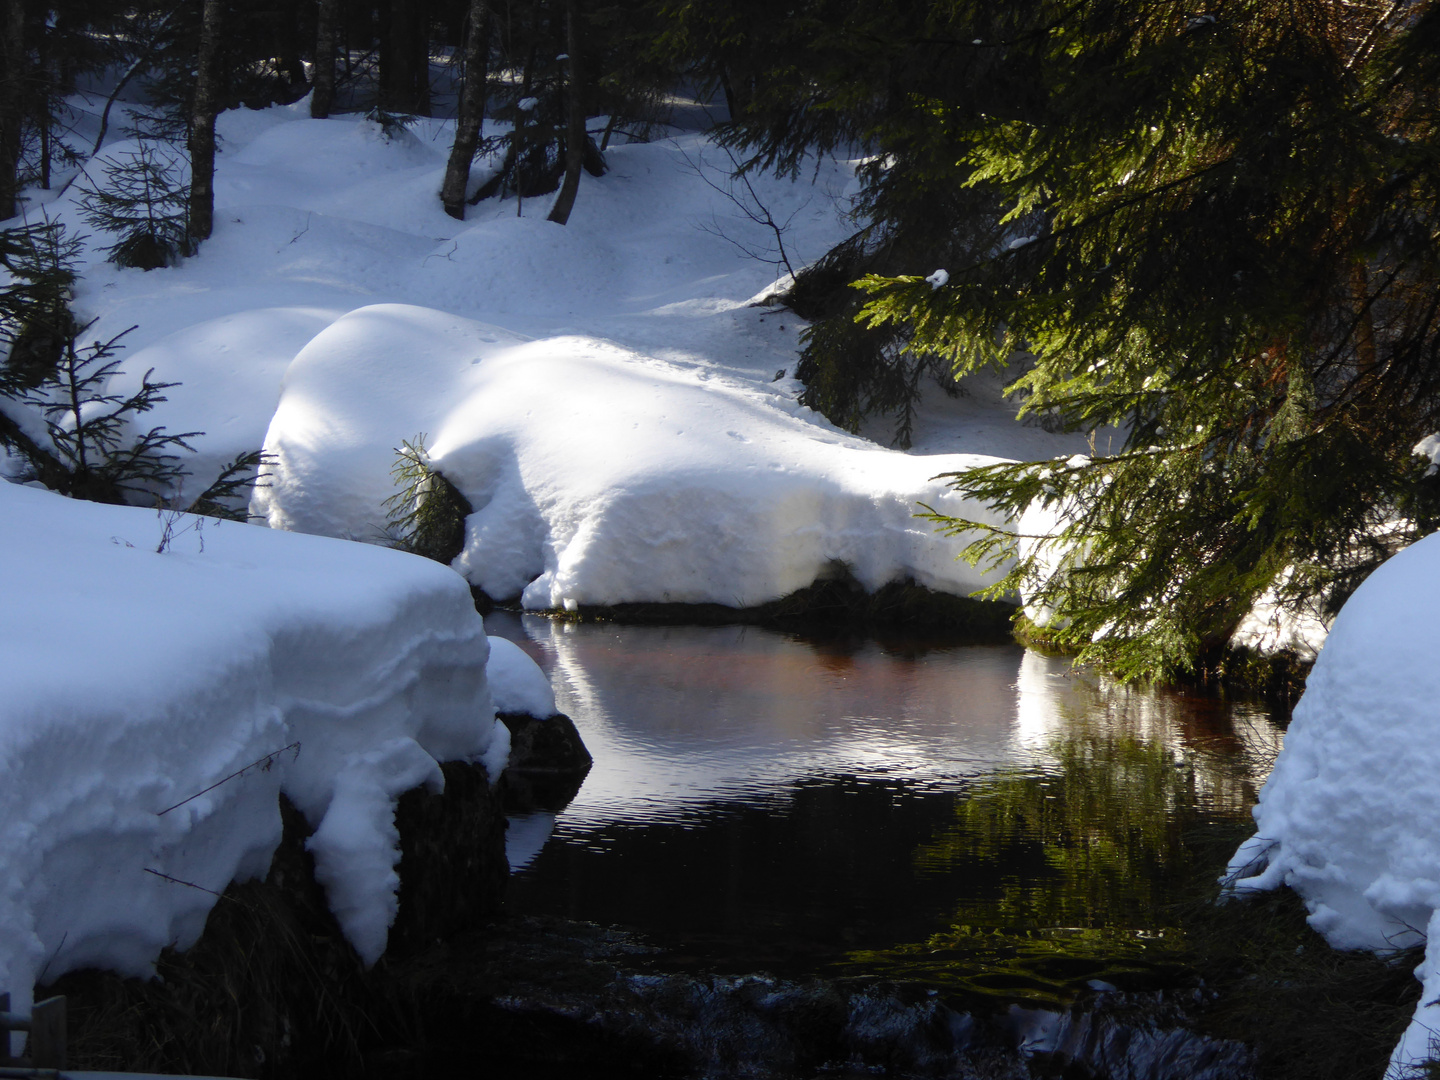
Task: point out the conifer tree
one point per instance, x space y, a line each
1221 241
143 202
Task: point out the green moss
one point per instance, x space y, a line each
836 603
1309 1011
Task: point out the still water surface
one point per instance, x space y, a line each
979 817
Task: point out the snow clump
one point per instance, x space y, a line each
1350 817
599 475
158 702
517 684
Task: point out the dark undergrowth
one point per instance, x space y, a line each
834 606
1278 679
1309 1012
273 990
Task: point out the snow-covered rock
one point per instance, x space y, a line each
517 685
155 704
599 475
1350 817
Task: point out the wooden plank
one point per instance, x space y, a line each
47 1033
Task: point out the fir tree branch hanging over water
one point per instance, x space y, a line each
1223 241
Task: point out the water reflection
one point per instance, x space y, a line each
967 814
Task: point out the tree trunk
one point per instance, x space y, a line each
45 89
1365 351
323 97
12 101
575 118
405 57
471 114
201 218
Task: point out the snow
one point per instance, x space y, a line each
517 685
1269 627
601 392
1350 817
598 475
1429 448
135 679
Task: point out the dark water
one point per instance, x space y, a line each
979 818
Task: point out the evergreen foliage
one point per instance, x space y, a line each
58 411
228 497
1221 238
90 428
426 516
143 202
35 318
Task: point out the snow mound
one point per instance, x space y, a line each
517 684
1350 817
336 154
139 683
233 365
599 475
507 262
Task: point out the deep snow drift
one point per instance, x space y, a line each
135 679
597 475
621 418
1350 817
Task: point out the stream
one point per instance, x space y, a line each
984 822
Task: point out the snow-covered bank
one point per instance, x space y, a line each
1350 817
135 680
598 475
620 417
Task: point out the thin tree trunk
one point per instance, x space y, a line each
323 97
405 58
385 45
420 58
732 106
471 114
12 101
575 119
1365 350
201 218
45 90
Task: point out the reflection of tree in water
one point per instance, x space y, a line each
1064 876
1095 843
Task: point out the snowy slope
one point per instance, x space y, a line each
630 431
135 679
1350 817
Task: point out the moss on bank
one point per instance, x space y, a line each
272 989
835 604
1309 1012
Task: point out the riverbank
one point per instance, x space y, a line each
273 990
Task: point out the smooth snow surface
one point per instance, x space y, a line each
623 422
134 679
517 685
1350 817
598 475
